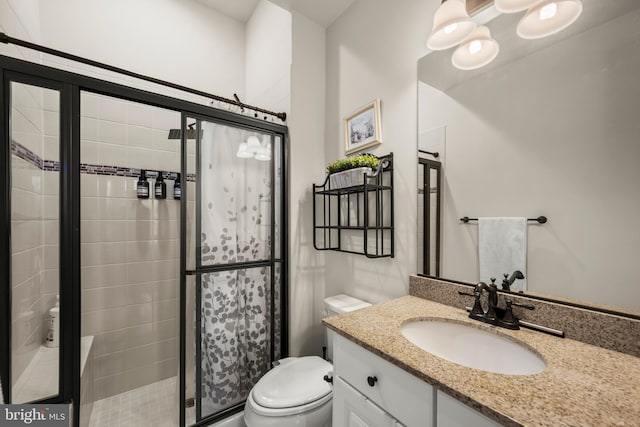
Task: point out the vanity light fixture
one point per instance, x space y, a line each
512 6
451 25
476 51
548 17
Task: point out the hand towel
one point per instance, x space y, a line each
502 248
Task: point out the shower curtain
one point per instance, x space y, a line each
235 216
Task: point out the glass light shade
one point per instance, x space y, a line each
243 153
476 51
253 144
263 154
451 25
548 17
513 6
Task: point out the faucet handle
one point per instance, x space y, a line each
477 306
493 281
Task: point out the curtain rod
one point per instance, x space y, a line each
6 39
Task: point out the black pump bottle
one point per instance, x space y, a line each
160 188
177 188
143 185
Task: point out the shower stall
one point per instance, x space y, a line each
161 310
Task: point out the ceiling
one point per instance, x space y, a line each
322 12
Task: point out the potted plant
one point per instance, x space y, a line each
350 172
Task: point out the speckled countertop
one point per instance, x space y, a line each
583 385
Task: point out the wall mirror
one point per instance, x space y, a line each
548 128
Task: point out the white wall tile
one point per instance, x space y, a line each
88 105
112 109
139 114
112 132
113 155
89 152
89 129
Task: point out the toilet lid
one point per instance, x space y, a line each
293 384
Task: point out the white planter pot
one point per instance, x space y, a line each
349 178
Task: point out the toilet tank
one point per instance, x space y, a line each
339 304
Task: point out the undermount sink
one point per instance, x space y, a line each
473 347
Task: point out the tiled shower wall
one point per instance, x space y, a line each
34 214
130 247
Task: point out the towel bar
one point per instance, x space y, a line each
540 219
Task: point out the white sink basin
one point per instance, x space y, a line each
473 347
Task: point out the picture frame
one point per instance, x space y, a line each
362 128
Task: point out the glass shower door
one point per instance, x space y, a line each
236 263
32 274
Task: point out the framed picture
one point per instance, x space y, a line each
362 128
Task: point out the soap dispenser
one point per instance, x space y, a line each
143 185
177 188
160 188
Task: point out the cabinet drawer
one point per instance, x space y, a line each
352 409
405 397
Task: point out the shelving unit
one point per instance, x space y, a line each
358 219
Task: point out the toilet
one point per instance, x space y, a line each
294 393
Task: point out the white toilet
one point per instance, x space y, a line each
294 393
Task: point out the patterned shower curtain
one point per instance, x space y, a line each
235 218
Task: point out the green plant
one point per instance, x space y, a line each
359 161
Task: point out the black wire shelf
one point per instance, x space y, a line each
356 219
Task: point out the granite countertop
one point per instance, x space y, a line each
583 385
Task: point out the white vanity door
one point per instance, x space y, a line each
452 413
352 409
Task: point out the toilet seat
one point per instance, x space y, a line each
293 387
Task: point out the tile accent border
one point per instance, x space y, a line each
32 158
604 330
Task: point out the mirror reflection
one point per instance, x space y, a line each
549 128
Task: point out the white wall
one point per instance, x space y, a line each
181 41
551 134
306 165
371 53
268 58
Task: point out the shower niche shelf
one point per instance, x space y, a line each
357 219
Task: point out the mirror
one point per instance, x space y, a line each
549 128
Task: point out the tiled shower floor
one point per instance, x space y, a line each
154 405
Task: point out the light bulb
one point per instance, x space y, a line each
475 46
476 51
548 11
450 28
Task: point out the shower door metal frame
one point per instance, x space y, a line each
69 234
428 166
72 85
271 262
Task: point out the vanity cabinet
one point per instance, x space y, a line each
372 392
352 409
453 413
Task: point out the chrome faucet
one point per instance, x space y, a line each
494 314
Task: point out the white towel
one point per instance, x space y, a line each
502 248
